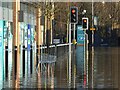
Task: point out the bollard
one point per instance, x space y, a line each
6 61
23 59
31 59
15 60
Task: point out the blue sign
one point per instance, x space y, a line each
29 36
80 50
1 54
80 35
0 41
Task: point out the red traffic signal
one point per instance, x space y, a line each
74 15
73 11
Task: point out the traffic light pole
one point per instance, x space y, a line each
86 58
70 61
74 33
69 55
73 20
85 27
74 67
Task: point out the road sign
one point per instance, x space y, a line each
92 29
79 27
95 20
80 35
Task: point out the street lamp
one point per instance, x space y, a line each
92 42
103 2
84 12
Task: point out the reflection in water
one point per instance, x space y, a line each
1 74
74 68
52 76
26 63
80 66
106 67
45 77
10 58
105 71
48 78
92 81
17 84
39 78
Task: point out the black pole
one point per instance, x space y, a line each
23 59
31 59
15 59
6 61
36 55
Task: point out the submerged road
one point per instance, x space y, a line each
105 71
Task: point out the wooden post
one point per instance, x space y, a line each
16 39
38 31
52 18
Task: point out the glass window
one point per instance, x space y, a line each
0 3
4 4
10 5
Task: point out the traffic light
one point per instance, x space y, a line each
74 15
85 23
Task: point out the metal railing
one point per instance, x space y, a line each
48 55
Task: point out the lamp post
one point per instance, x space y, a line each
92 43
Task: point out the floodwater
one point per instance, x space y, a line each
106 67
102 71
